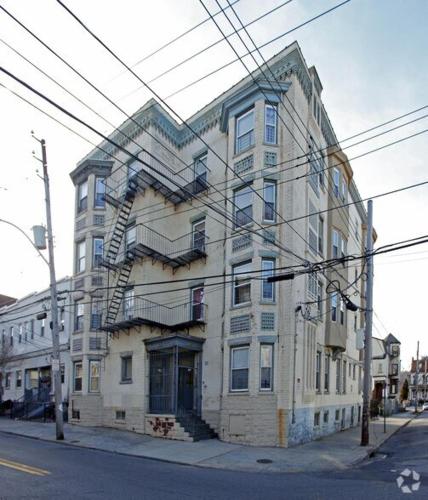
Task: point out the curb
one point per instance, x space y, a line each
373 449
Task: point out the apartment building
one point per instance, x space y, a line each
177 331
386 368
418 379
26 346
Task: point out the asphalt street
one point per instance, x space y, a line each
36 469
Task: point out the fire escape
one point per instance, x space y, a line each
120 256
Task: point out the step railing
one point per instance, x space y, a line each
162 245
169 316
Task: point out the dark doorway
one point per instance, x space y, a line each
185 388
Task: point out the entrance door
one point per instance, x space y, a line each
185 388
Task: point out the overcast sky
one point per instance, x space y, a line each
372 58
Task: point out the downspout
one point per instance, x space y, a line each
293 402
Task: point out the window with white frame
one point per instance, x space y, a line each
18 379
313 228
197 303
336 182
97 251
268 289
320 235
200 168
335 244
266 367
82 196
11 335
244 131
80 256
42 327
269 201
342 311
77 376
100 190
8 378
128 303
333 306
239 367
94 375
130 236
344 377
241 283
318 372
312 286
198 235
96 314
343 247
271 124
242 206
344 190
19 333
326 373
79 315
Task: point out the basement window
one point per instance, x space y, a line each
120 414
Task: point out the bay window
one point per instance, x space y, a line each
242 206
334 306
241 283
97 251
269 201
82 196
244 131
77 376
266 365
80 256
239 368
94 375
271 124
100 190
79 315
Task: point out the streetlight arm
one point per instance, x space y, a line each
28 238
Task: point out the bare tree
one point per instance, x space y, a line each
6 353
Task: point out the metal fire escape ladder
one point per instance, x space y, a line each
123 270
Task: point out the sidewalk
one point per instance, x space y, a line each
337 451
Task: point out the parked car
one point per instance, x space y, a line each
425 406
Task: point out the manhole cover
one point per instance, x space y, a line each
264 461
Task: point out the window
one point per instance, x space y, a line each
128 304
241 283
25 331
61 319
80 256
318 372
244 131
3 337
62 373
20 333
320 235
94 375
242 206
100 190
343 193
337 415
97 251
354 370
325 417
269 201
335 244
338 366
334 306
336 182
344 378
42 328
316 419
7 380
313 228
79 310
343 247
394 369
198 303
82 196
96 314
130 236
327 373
198 235
18 379
342 311
266 363
11 336
271 120
239 368
120 415
319 298
126 369
200 169
77 376
268 289
349 369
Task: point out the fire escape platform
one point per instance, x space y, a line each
129 323
175 261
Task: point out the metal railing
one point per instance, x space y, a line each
159 314
162 245
157 169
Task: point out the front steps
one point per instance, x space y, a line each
186 427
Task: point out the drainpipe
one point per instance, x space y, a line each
293 402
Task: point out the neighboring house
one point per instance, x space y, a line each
5 300
418 382
386 368
26 342
260 363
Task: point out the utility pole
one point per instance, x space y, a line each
368 328
56 370
417 378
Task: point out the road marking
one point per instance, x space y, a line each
23 468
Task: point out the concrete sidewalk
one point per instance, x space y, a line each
334 452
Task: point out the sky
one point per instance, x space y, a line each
371 57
